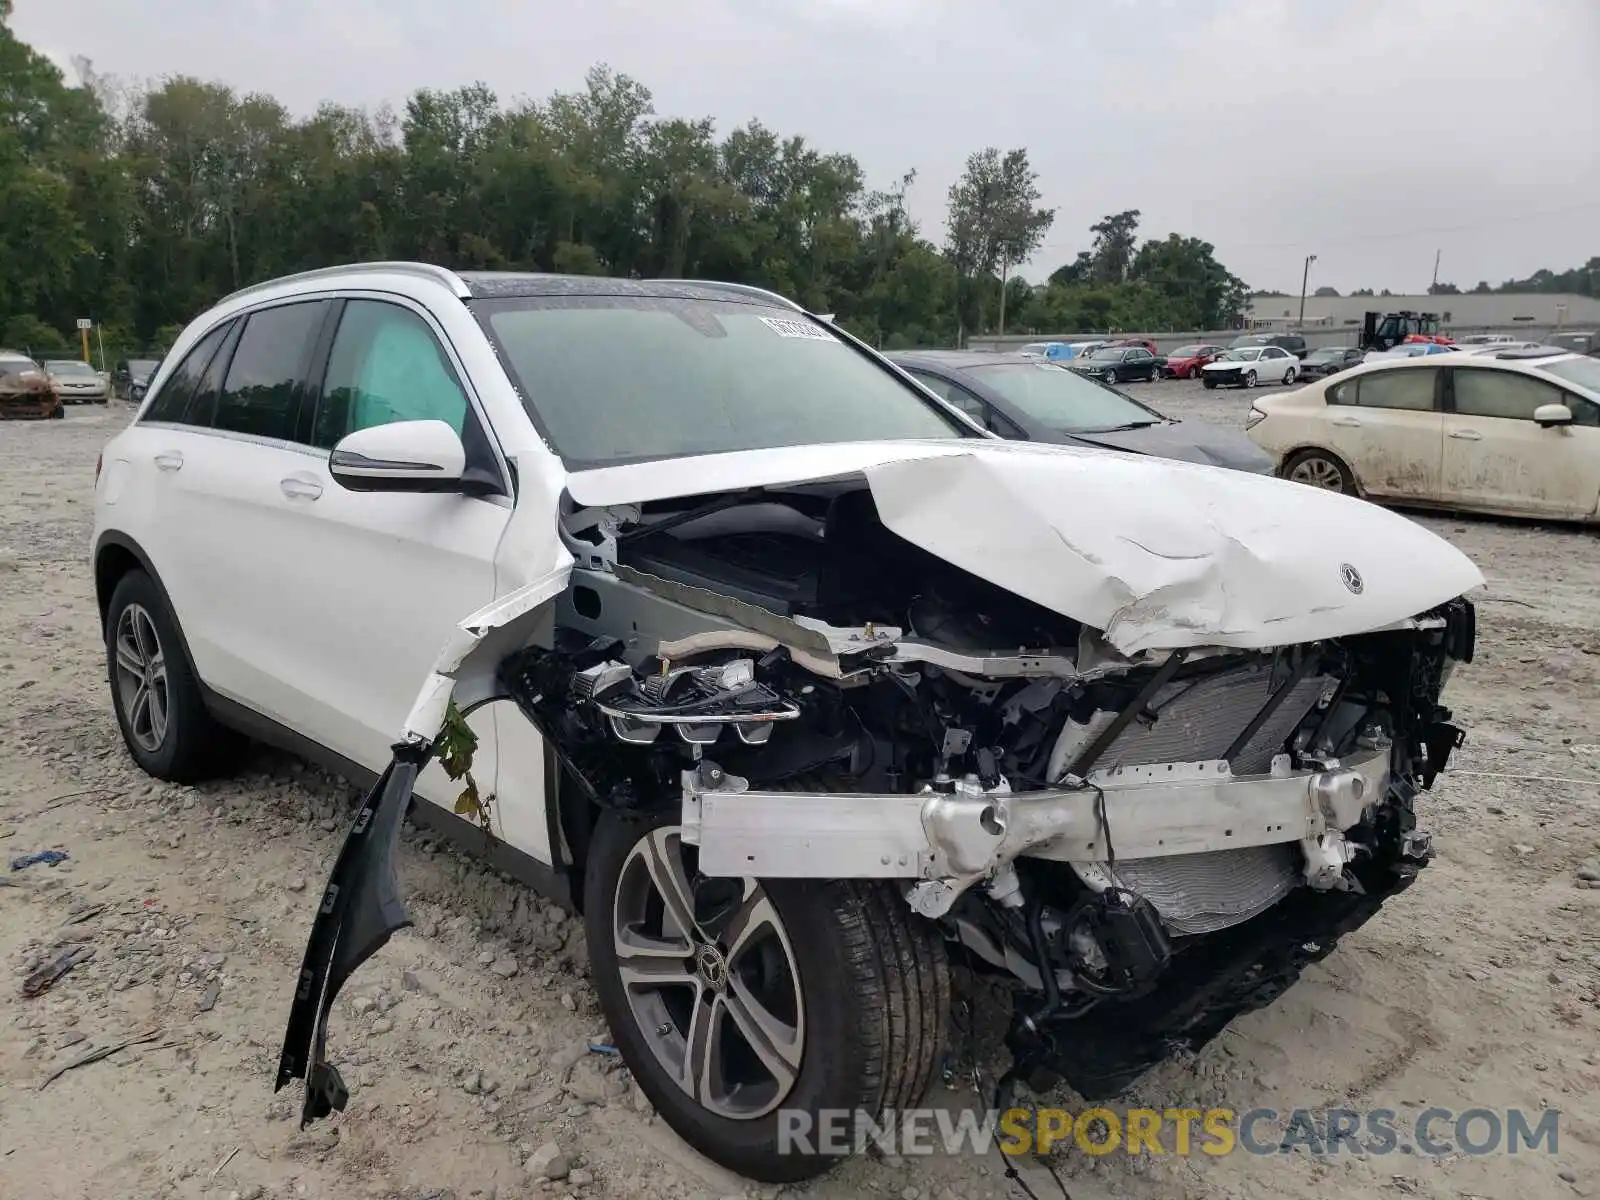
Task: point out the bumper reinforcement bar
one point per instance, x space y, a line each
947 841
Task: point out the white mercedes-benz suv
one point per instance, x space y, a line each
708 621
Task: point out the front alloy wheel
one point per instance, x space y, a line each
750 1009
710 978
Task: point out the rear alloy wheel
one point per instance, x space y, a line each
1288 377
157 699
737 1001
1319 469
1249 379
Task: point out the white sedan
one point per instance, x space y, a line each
1249 366
1517 434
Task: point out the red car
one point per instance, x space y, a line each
1185 362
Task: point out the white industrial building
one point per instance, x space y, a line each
1493 312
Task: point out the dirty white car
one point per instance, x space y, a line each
1513 432
799 686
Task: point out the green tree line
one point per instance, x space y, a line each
140 207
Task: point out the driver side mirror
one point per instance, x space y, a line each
1548 416
403 456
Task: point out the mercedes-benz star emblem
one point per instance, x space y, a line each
1351 577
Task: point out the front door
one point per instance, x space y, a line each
1496 456
1388 427
381 578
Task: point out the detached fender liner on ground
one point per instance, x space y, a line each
361 908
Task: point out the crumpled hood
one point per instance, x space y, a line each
1156 554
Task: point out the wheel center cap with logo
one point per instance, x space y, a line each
712 966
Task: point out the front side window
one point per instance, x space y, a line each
186 397
385 366
1062 399
1485 392
260 394
614 379
1408 389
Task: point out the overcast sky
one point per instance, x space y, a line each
1367 132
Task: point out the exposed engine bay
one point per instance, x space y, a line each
1146 846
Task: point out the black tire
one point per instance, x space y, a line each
191 746
1209 383
1321 468
1289 377
874 987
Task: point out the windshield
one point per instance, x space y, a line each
1242 355
1585 372
1061 399
1112 355
1187 352
1324 355
69 366
612 379
144 365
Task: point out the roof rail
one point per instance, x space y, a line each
422 270
747 289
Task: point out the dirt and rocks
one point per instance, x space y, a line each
180 915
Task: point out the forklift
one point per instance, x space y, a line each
1385 331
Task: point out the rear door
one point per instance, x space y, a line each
1388 427
227 488
1496 456
1144 364
148 478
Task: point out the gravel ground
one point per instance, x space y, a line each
466 1039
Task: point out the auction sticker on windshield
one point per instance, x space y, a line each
798 329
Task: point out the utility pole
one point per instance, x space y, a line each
1305 279
1435 283
1003 266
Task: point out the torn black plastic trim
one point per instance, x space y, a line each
361 907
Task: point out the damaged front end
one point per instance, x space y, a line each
1145 839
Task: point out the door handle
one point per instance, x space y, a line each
1346 422
169 460
300 489
1467 435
